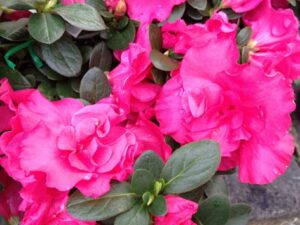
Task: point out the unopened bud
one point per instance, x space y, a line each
120 9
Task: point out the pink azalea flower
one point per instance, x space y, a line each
86 147
274 40
46 206
70 2
179 212
241 6
220 100
180 37
130 82
147 11
10 198
9 100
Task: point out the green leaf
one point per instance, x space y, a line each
86 51
18 4
155 37
195 195
214 210
94 86
148 198
75 84
216 186
239 214
99 5
191 166
159 77
177 12
82 16
293 2
48 89
159 206
101 57
138 215
122 23
231 14
64 90
198 4
46 28
150 161
117 201
50 74
120 39
163 62
244 55
63 57
244 36
194 14
142 181
15 78
31 78
14 30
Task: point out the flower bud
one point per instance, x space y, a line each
120 9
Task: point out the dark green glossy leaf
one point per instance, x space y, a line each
82 16
191 166
195 195
73 31
75 84
100 6
142 181
123 23
216 186
150 161
231 14
244 54
293 2
159 77
15 78
177 13
31 78
198 4
48 89
94 85
239 214
244 36
214 210
148 198
63 57
50 74
101 57
86 53
18 4
117 201
194 14
159 206
137 215
64 90
46 28
163 62
155 37
120 39
14 30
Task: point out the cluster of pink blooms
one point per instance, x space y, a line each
49 148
